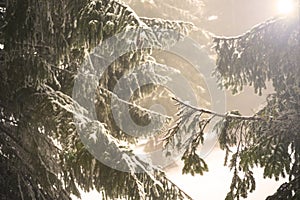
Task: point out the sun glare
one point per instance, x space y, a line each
286 6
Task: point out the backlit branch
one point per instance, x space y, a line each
229 115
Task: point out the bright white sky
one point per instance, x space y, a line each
214 184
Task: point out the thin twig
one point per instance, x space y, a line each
134 105
20 188
215 113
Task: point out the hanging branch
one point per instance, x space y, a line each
254 29
229 115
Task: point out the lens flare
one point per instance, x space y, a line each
286 6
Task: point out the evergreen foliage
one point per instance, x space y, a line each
270 138
42 155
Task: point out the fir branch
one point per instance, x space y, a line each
176 186
229 115
254 29
134 105
132 13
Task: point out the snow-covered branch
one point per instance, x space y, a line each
229 115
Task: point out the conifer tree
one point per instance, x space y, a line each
43 155
270 138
